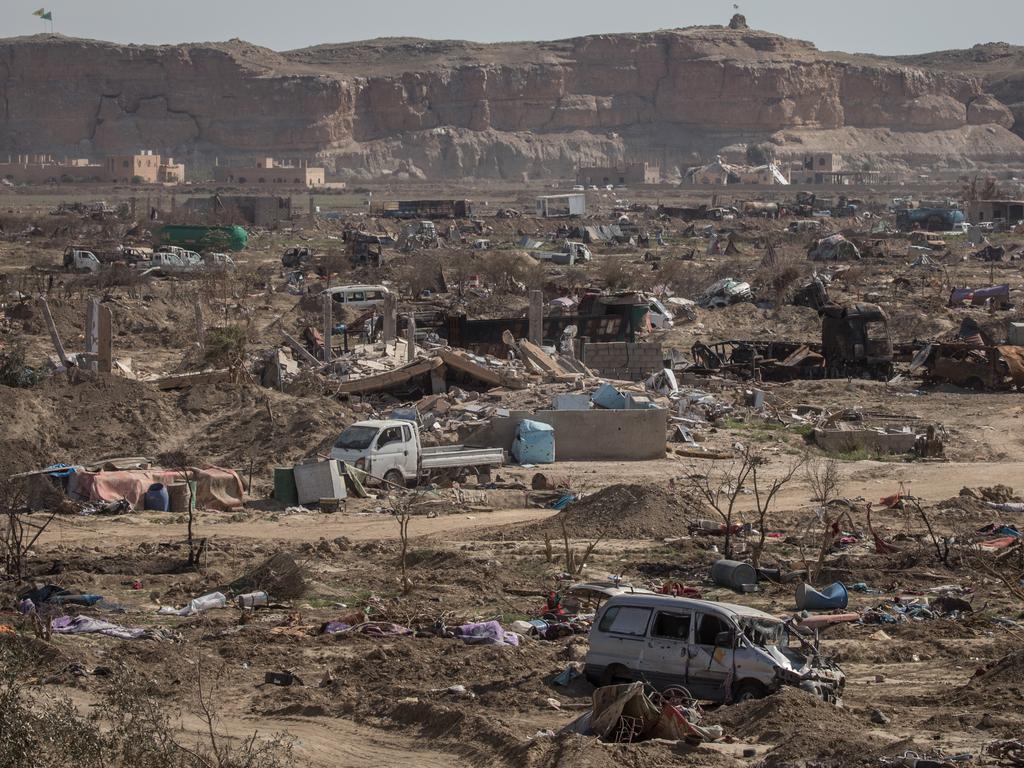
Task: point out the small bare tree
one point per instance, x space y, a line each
180 462
823 476
719 489
20 534
765 492
574 561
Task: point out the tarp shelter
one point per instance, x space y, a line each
833 248
217 488
534 443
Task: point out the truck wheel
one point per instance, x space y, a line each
748 690
394 476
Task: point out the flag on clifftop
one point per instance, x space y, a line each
40 12
48 16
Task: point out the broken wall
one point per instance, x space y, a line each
623 360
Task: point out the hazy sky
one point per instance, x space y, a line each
873 26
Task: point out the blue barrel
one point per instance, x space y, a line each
156 498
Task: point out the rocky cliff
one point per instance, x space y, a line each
452 109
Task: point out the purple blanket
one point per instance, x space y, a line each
486 633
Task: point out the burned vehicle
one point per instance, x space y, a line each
719 652
971 365
855 341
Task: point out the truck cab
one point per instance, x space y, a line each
855 341
77 260
389 449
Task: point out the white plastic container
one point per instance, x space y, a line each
319 480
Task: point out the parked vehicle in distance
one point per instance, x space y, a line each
930 240
571 253
391 450
720 652
76 260
218 261
358 296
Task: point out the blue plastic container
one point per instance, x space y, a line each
157 498
832 597
534 443
607 396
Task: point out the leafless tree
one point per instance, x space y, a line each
20 533
765 492
574 561
718 489
180 462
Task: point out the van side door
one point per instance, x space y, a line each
711 657
666 656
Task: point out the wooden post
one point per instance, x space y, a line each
390 317
328 326
54 336
536 318
200 326
92 331
105 360
410 338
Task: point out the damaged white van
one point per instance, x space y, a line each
720 652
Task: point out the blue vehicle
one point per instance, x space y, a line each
930 219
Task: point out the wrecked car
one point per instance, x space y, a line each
720 652
724 293
972 366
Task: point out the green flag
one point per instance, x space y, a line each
40 12
48 16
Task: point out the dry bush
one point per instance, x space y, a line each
616 273
781 279
132 726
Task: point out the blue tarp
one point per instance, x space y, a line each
534 443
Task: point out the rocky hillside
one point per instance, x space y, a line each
453 109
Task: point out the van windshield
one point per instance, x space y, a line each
356 438
762 631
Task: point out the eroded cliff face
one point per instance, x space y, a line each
460 109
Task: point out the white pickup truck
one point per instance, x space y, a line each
391 449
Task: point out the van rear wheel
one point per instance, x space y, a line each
748 690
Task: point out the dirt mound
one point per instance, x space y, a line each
619 512
804 727
999 494
279 576
1002 680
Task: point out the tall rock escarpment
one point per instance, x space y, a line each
458 109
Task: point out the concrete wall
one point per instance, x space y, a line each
622 360
597 435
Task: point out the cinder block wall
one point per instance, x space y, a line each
622 360
597 435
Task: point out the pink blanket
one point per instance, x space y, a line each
217 488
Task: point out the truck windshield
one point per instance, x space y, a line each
762 631
356 438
